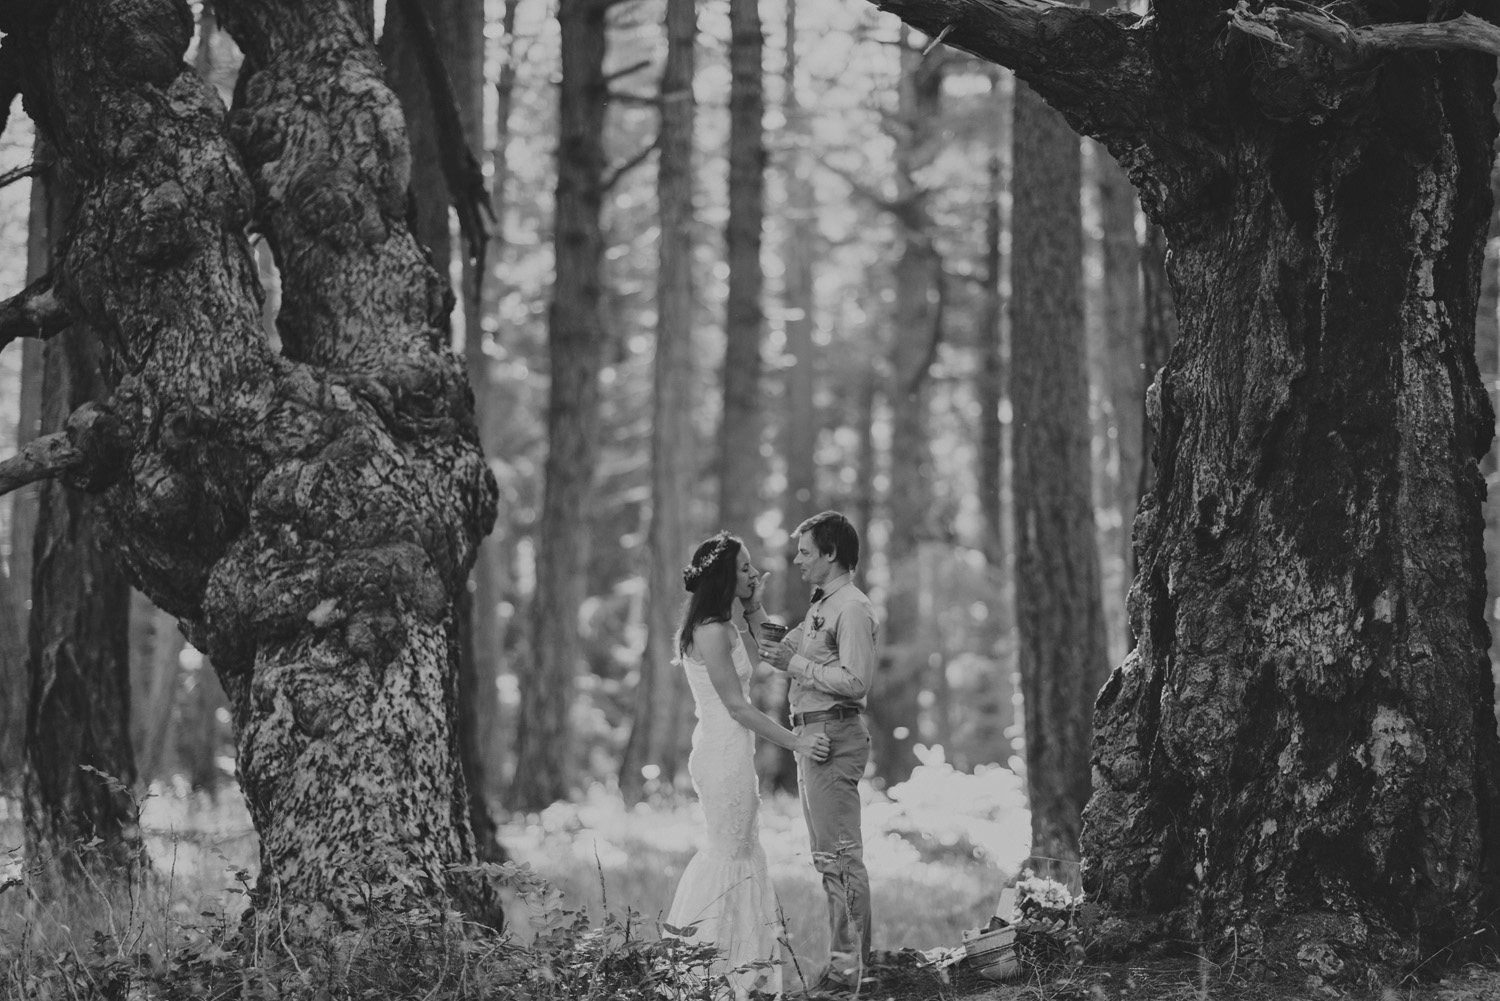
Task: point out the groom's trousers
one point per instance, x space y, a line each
830 804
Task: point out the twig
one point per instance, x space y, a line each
939 39
90 453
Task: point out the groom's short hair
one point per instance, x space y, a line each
832 533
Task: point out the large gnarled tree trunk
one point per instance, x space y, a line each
1301 750
308 516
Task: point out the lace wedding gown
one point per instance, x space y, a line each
726 889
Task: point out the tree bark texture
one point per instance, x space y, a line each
741 467
657 737
1059 618
906 645
308 516
575 335
1301 751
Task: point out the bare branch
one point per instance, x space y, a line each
635 161
15 174
1463 32
642 100
36 311
644 64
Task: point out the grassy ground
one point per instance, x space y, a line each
938 850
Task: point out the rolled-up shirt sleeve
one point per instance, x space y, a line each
849 674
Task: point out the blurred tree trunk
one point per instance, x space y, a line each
992 388
657 738
989 381
204 734
403 72
14 683
156 649
741 469
1061 628
575 345
906 641
494 572
800 367
78 709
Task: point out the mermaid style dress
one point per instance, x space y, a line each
726 890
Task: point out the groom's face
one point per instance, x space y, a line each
815 567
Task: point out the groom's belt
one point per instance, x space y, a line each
819 715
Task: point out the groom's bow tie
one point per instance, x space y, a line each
817 595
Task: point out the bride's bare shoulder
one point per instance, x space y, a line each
710 638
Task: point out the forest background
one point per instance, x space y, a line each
882 364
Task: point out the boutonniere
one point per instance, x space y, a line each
817 621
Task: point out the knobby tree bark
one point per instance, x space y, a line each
308 516
657 735
575 336
1300 754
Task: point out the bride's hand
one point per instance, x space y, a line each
813 745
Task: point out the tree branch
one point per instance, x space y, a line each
42 458
17 173
1463 32
90 453
1100 70
35 311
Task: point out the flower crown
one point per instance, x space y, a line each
698 568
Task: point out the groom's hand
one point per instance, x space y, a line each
778 656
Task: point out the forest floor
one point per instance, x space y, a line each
939 851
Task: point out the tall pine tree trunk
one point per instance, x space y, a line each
575 337
656 744
800 417
1063 660
905 644
741 469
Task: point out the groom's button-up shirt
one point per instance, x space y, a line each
835 659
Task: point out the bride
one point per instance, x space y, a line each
725 894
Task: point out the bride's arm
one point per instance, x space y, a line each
712 640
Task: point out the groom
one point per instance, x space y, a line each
830 660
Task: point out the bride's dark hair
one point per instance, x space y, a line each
711 579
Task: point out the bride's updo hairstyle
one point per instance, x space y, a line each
711 580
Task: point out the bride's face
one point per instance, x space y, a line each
745 575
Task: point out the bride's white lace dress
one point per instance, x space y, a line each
726 889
